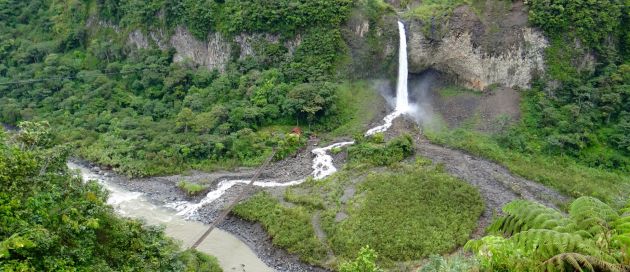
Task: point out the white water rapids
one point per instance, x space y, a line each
322 163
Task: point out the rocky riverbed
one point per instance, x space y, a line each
163 191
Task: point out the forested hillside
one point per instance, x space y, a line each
512 145
581 107
143 114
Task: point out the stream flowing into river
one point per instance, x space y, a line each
232 253
322 163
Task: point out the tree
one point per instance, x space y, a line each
311 100
185 118
34 134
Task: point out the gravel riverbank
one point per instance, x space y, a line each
163 190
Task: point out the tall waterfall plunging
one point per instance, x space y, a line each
402 96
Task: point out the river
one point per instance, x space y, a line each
232 253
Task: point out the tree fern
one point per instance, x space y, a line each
521 215
581 262
592 237
592 215
621 238
548 243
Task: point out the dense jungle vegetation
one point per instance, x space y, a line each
52 220
68 64
142 114
577 109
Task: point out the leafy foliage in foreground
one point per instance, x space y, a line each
51 220
531 237
454 263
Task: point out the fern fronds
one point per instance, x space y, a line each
626 210
622 228
521 215
548 243
622 224
580 262
592 215
622 241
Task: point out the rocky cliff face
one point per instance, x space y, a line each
496 48
373 45
214 53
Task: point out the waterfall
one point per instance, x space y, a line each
402 96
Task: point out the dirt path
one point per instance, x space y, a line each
321 235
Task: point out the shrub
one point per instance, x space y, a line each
373 151
289 228
191 189
365 262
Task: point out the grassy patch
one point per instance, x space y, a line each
405 211
408 212
453 91
559 172
417 211
290 228
306 200
190 188
355 102
434 8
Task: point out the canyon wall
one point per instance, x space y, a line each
478 51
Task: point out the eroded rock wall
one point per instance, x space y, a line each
373 45
214 53
479 52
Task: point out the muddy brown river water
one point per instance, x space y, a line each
232 253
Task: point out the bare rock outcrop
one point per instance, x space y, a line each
214 53
372 44
479 52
